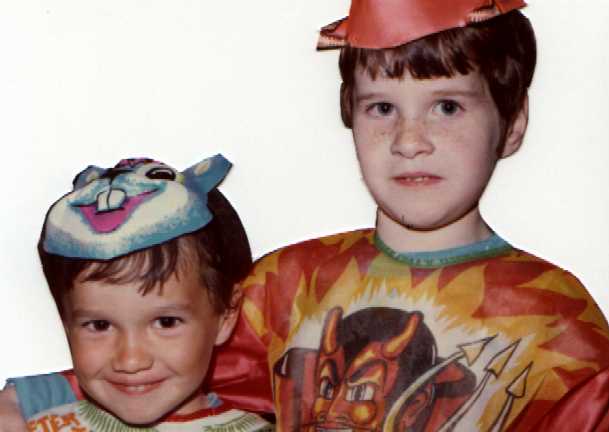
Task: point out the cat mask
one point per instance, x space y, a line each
134 205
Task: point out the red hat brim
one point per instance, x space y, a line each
390 23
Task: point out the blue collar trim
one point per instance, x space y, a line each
492 246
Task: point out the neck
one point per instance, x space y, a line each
469 229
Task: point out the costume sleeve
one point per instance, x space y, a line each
240 372
583 409
575 394
240 369
41 392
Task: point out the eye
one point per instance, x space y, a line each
362 392
448 107
97 326
326 388
168 322
161 173
381 109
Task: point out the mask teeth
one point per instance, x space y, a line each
111 199
102 201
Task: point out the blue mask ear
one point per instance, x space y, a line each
86 176
207 174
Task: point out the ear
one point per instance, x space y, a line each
87 175
516 131
207 174
229 318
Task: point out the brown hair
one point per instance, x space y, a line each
219 252
502 49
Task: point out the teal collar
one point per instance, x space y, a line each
492 246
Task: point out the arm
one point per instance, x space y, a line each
585 408
32 394
240 373
10 415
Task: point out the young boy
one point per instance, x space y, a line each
430 321
142 261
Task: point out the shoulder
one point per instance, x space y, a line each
319 250
10 415
62 416
558 290
546 274
37 393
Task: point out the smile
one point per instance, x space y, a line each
136 389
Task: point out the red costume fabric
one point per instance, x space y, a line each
353 336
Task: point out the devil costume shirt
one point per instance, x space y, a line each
350 335
359 337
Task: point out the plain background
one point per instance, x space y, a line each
86 82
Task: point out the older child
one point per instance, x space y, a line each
430 321
142 261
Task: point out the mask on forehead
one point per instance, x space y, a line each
137 204
390 23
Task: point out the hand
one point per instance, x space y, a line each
10 414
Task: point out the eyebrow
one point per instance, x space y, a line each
369 96
82 313
163 310
475 94
174 308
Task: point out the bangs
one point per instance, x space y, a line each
444 54
149 267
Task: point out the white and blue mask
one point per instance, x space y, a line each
137 204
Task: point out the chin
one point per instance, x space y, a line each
136 414
421 222
137 417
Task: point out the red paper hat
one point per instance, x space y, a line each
389 23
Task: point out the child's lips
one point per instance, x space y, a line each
417 179
136 388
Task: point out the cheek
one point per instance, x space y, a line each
191 354
369 145
90 357
366 135
476 149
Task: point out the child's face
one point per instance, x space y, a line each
143 356
426 148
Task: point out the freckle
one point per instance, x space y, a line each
380 135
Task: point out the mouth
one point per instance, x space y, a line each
106 220
417 179
136 389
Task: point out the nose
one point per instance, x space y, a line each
411 139
131 354
112 173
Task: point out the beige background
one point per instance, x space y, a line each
87 81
